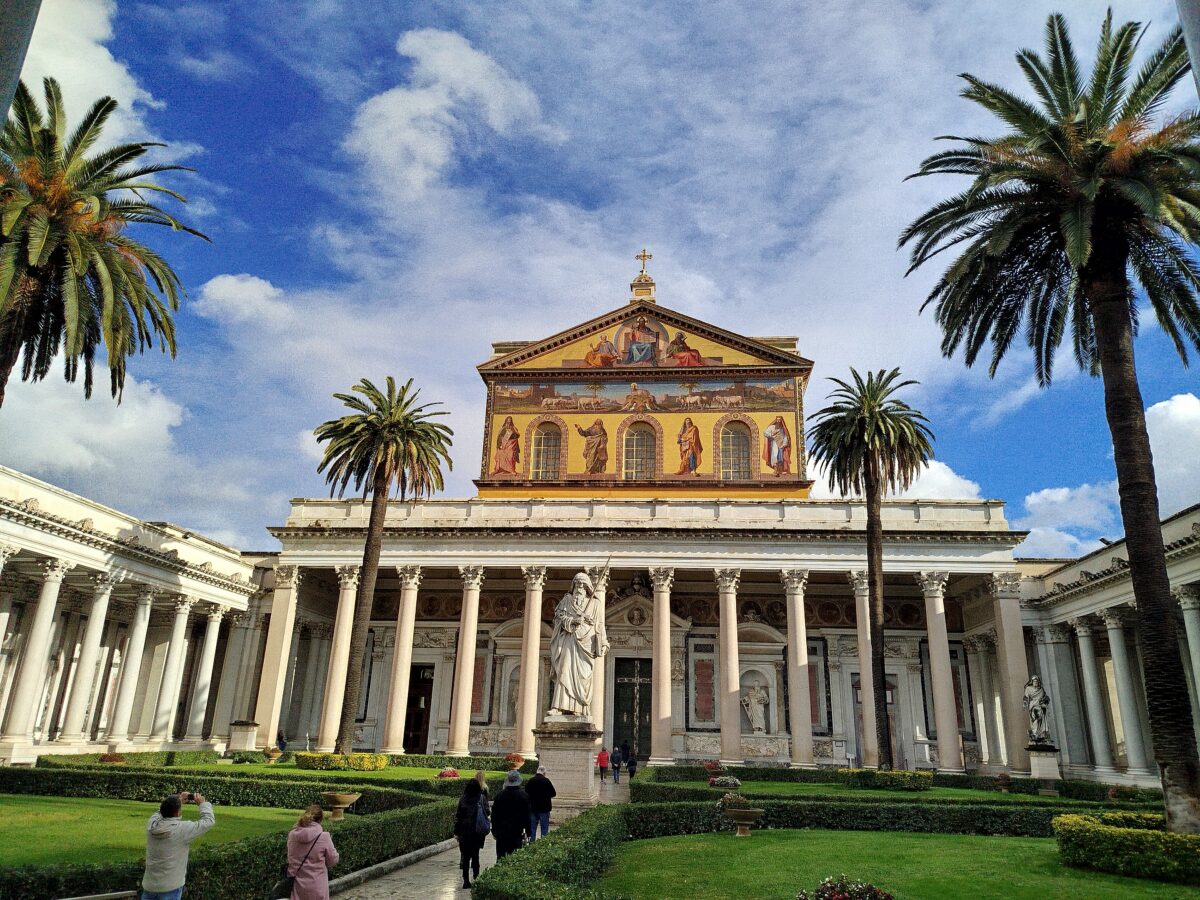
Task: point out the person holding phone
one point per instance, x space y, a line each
168 839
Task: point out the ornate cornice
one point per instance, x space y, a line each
1117 571
29 513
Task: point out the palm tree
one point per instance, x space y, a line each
1085 194
871 442
387 441
71 280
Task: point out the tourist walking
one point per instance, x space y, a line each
471 823
615 760
540 790
481 777
168 839
632 765
602 763
511 816
625 754
310 856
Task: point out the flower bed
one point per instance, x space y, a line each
843 888
354 762
1090 843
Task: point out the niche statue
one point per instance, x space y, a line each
1037 703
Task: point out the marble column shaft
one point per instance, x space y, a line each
85 670
322 637
464 663
131 667
1131 723
799 699
1014 669
204 675
168 692
731 670
339 658
1093 698
531 647
289 679
941 671
660 673
27 691
406 620
1189 601
227 684
869 751
284 600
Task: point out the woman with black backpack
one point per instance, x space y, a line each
472 823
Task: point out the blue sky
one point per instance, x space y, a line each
390 187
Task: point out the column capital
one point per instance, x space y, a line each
55 570
146 594
183 604
1187 596
1058 633
1085 626
858 580
104 582
321 630
410 576
347 576
1005 584
727 579
794 579
662 577
241 619
535 577
600 576
287 576
932 583
472 576
216 613
1115 617
973 644
7 552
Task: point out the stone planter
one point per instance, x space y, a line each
743 818
338 802
272 754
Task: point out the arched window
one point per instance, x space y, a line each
544 456
735 452
639 452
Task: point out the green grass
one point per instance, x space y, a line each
43 830
810 789
777 864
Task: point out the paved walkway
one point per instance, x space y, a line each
439 877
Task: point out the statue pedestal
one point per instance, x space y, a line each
1043 762
567 747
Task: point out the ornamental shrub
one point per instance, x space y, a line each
441 761
355 762
888 779
842 888
1145 820
111 758
141 759
1089 843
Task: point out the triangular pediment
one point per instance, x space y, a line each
642 336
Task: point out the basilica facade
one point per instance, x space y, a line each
662 455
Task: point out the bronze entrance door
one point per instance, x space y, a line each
416 718
631 705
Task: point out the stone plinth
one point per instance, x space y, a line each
567 747
242 735
1043 762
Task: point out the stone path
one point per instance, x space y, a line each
439 877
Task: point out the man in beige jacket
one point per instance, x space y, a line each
168 839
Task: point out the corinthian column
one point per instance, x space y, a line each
941 673
1131 724
168 692
599 577
339 659
660 671
531 645
799 700
28 688
731 671
464 663
85 670
1097 720
406 620
866 681
1188 598
203 685
275 656
131 668
1014 670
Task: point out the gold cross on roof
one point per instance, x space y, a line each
643 256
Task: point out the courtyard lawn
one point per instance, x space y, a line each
802 789
43 830
777 864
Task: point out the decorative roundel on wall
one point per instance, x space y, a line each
889 615
829 613
431 606
503 607
910 615
776 613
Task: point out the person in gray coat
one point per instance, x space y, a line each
168 839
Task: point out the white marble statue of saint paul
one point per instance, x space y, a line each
578 640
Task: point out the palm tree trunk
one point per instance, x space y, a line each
874 490
1107 287
363 601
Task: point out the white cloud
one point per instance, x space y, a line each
1053 543
1088 506
408 137
936 482
1174 427
241 299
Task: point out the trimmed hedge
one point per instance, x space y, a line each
141 760
887 779
1146 821
1088 843
462 763
355 762
245 868
560 865
1104 793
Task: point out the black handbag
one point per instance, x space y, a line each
283 887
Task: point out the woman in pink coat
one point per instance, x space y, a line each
311 855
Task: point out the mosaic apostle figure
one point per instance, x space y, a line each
690 448
683 355
777 447
578 640
508 449
595 448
